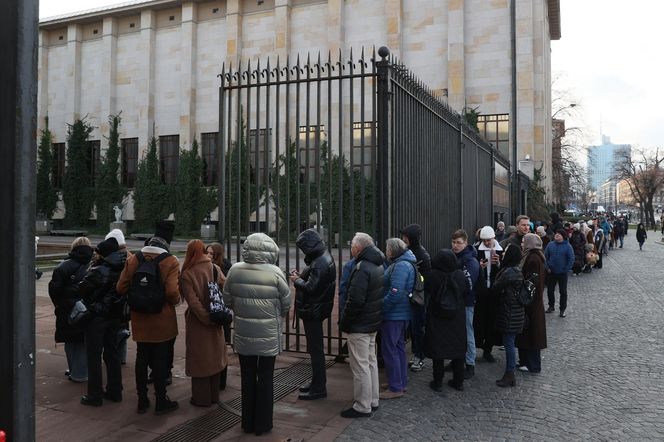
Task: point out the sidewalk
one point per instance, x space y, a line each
60 416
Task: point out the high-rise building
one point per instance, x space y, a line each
603 161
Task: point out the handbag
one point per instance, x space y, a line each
219 313
79 314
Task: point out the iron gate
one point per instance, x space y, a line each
343 146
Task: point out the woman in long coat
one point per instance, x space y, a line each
533 338
206 348
510 313
444 330
578 243
217 254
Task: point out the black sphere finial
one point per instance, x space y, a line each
383 51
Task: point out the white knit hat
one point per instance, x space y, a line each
576 226
487 233
118 235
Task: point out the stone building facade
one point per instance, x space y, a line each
157 61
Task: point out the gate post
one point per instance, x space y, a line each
384 217
221 163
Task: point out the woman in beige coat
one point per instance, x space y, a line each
206 348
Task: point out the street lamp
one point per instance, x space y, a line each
569 106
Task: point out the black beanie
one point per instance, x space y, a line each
562 233
107 247
164 230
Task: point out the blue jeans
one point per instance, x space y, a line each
77 361
471 351
510 352
394 353
417 331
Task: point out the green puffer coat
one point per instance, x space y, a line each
259 295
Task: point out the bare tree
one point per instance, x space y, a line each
644 174
582 193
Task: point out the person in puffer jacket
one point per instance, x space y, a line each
97 291
314 299
399 282
511 313
258 293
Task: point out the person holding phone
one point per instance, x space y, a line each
489 253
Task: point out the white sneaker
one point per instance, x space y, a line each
523 368
418 365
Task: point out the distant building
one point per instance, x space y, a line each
602 159
606 195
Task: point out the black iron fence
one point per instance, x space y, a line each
344 146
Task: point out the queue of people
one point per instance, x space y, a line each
472 296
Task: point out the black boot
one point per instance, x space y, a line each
436 386
469 372
487 356
165 405
507 380
143 404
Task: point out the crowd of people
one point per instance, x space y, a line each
469 296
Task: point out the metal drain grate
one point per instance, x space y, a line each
214 423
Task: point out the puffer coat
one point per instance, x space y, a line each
97 288
314 289
399 282
258 293
510 317
363 310
62 290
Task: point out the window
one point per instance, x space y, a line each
316 136
209 154
129 161
58 172
363 147
94 160
495 129
169 158
263 153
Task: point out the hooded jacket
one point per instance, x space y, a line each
511 313
258 293
62 291
467 262
97 288
399 282
363 311
559 257
414 234
314 289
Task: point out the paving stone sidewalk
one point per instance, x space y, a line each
602 375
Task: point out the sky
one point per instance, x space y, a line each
608 63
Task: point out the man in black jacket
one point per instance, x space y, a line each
412 235
360 320
314 300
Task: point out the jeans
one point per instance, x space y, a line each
394 354
314 333
77 361
157 356
621 238
257 374
510 352
101 338
364 366
417 331
531 359
561 280
471 351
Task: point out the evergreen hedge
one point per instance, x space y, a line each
152 198
47 197
77 189
109 191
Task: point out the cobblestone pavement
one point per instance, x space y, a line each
602 375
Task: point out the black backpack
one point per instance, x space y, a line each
528 289
146 293
416 296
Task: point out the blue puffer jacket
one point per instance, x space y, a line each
399 282
559 257
468 263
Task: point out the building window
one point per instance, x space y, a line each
264 140
58 172
209 154
94 160
495 129
364 139
129 161
315 135
169 157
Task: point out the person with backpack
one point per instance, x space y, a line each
641 235
467 262
559 261
217 254
399 281
150 280
509 320
258 293
445 325
124 333
62 291
412 236
97 290
205 343
314 300
532 339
